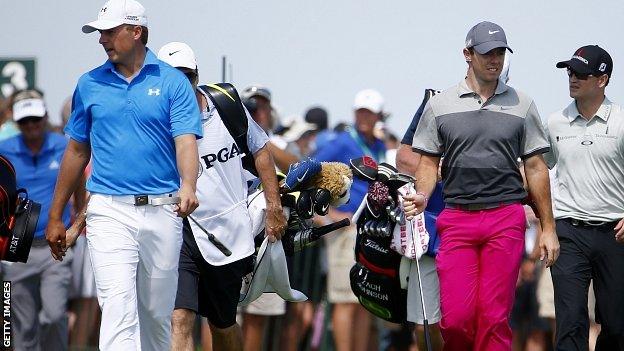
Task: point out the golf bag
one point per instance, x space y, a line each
379 277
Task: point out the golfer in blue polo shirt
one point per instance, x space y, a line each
137 119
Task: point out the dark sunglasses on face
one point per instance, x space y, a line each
27 120
579 76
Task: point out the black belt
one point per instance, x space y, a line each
479 207
579 223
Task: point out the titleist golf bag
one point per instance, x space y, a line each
378 278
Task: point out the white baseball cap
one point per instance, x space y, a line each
369 99
117 12
298 127
33 107
178 54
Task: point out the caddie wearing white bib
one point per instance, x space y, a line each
210 282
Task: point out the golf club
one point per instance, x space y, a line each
213 239
422 301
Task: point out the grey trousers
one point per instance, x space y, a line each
39 293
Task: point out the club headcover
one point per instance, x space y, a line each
385 171
364 168
305 205
321 199
301 172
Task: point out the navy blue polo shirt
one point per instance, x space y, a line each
342 147
131 126
37 173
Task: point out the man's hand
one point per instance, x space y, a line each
55 234
549 247
414 204
275 222
188 201
619 231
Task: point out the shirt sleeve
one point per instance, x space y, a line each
256 137
535 138
550 157
426 138
409 134
184 114
79 125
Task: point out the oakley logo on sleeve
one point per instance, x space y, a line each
151 92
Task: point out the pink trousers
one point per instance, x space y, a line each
478 263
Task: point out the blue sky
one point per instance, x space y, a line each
323 52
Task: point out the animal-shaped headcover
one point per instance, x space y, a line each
336 177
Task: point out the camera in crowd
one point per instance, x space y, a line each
18 217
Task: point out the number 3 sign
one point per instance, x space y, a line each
16 74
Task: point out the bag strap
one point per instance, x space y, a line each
230 107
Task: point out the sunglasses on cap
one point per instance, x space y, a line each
27 120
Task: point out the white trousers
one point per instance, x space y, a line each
134 252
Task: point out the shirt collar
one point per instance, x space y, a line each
150 60
604 111
463 88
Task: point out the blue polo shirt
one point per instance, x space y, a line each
37 173
342 147
131 126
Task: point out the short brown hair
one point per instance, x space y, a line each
144 35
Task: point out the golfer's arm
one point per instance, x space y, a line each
427 174
70 176
407 160
538 183
266 172
187 159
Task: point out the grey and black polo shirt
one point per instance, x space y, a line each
589 155
481 142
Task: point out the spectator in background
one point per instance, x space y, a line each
40 287
300 137
304 266
529 329
257 100
64 115
318 115
8 128
350 321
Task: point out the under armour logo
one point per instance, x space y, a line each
103 9
151 92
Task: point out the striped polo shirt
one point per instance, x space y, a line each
481 142
589 155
